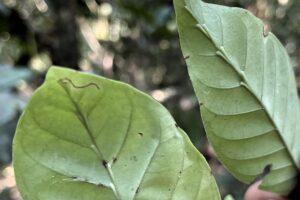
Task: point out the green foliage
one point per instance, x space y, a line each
138 45
246 88
86 137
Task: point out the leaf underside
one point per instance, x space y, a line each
246 88
84 137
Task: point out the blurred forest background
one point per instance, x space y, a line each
134 41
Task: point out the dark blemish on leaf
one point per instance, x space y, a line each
67 80
101 185
186 57
137 190
180 172
115 160
104 163
201 104
267 169
76 178
141 134
134 158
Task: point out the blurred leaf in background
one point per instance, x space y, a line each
11 104
134 41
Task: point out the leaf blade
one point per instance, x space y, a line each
88 138
238 79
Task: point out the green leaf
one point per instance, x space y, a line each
9 76
84 137
246 88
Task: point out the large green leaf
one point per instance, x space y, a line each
84 137
246 88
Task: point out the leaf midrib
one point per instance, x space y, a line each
94 146
223 54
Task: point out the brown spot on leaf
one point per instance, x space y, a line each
137 190
101 185
267 169
104 163
134 158
141 134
